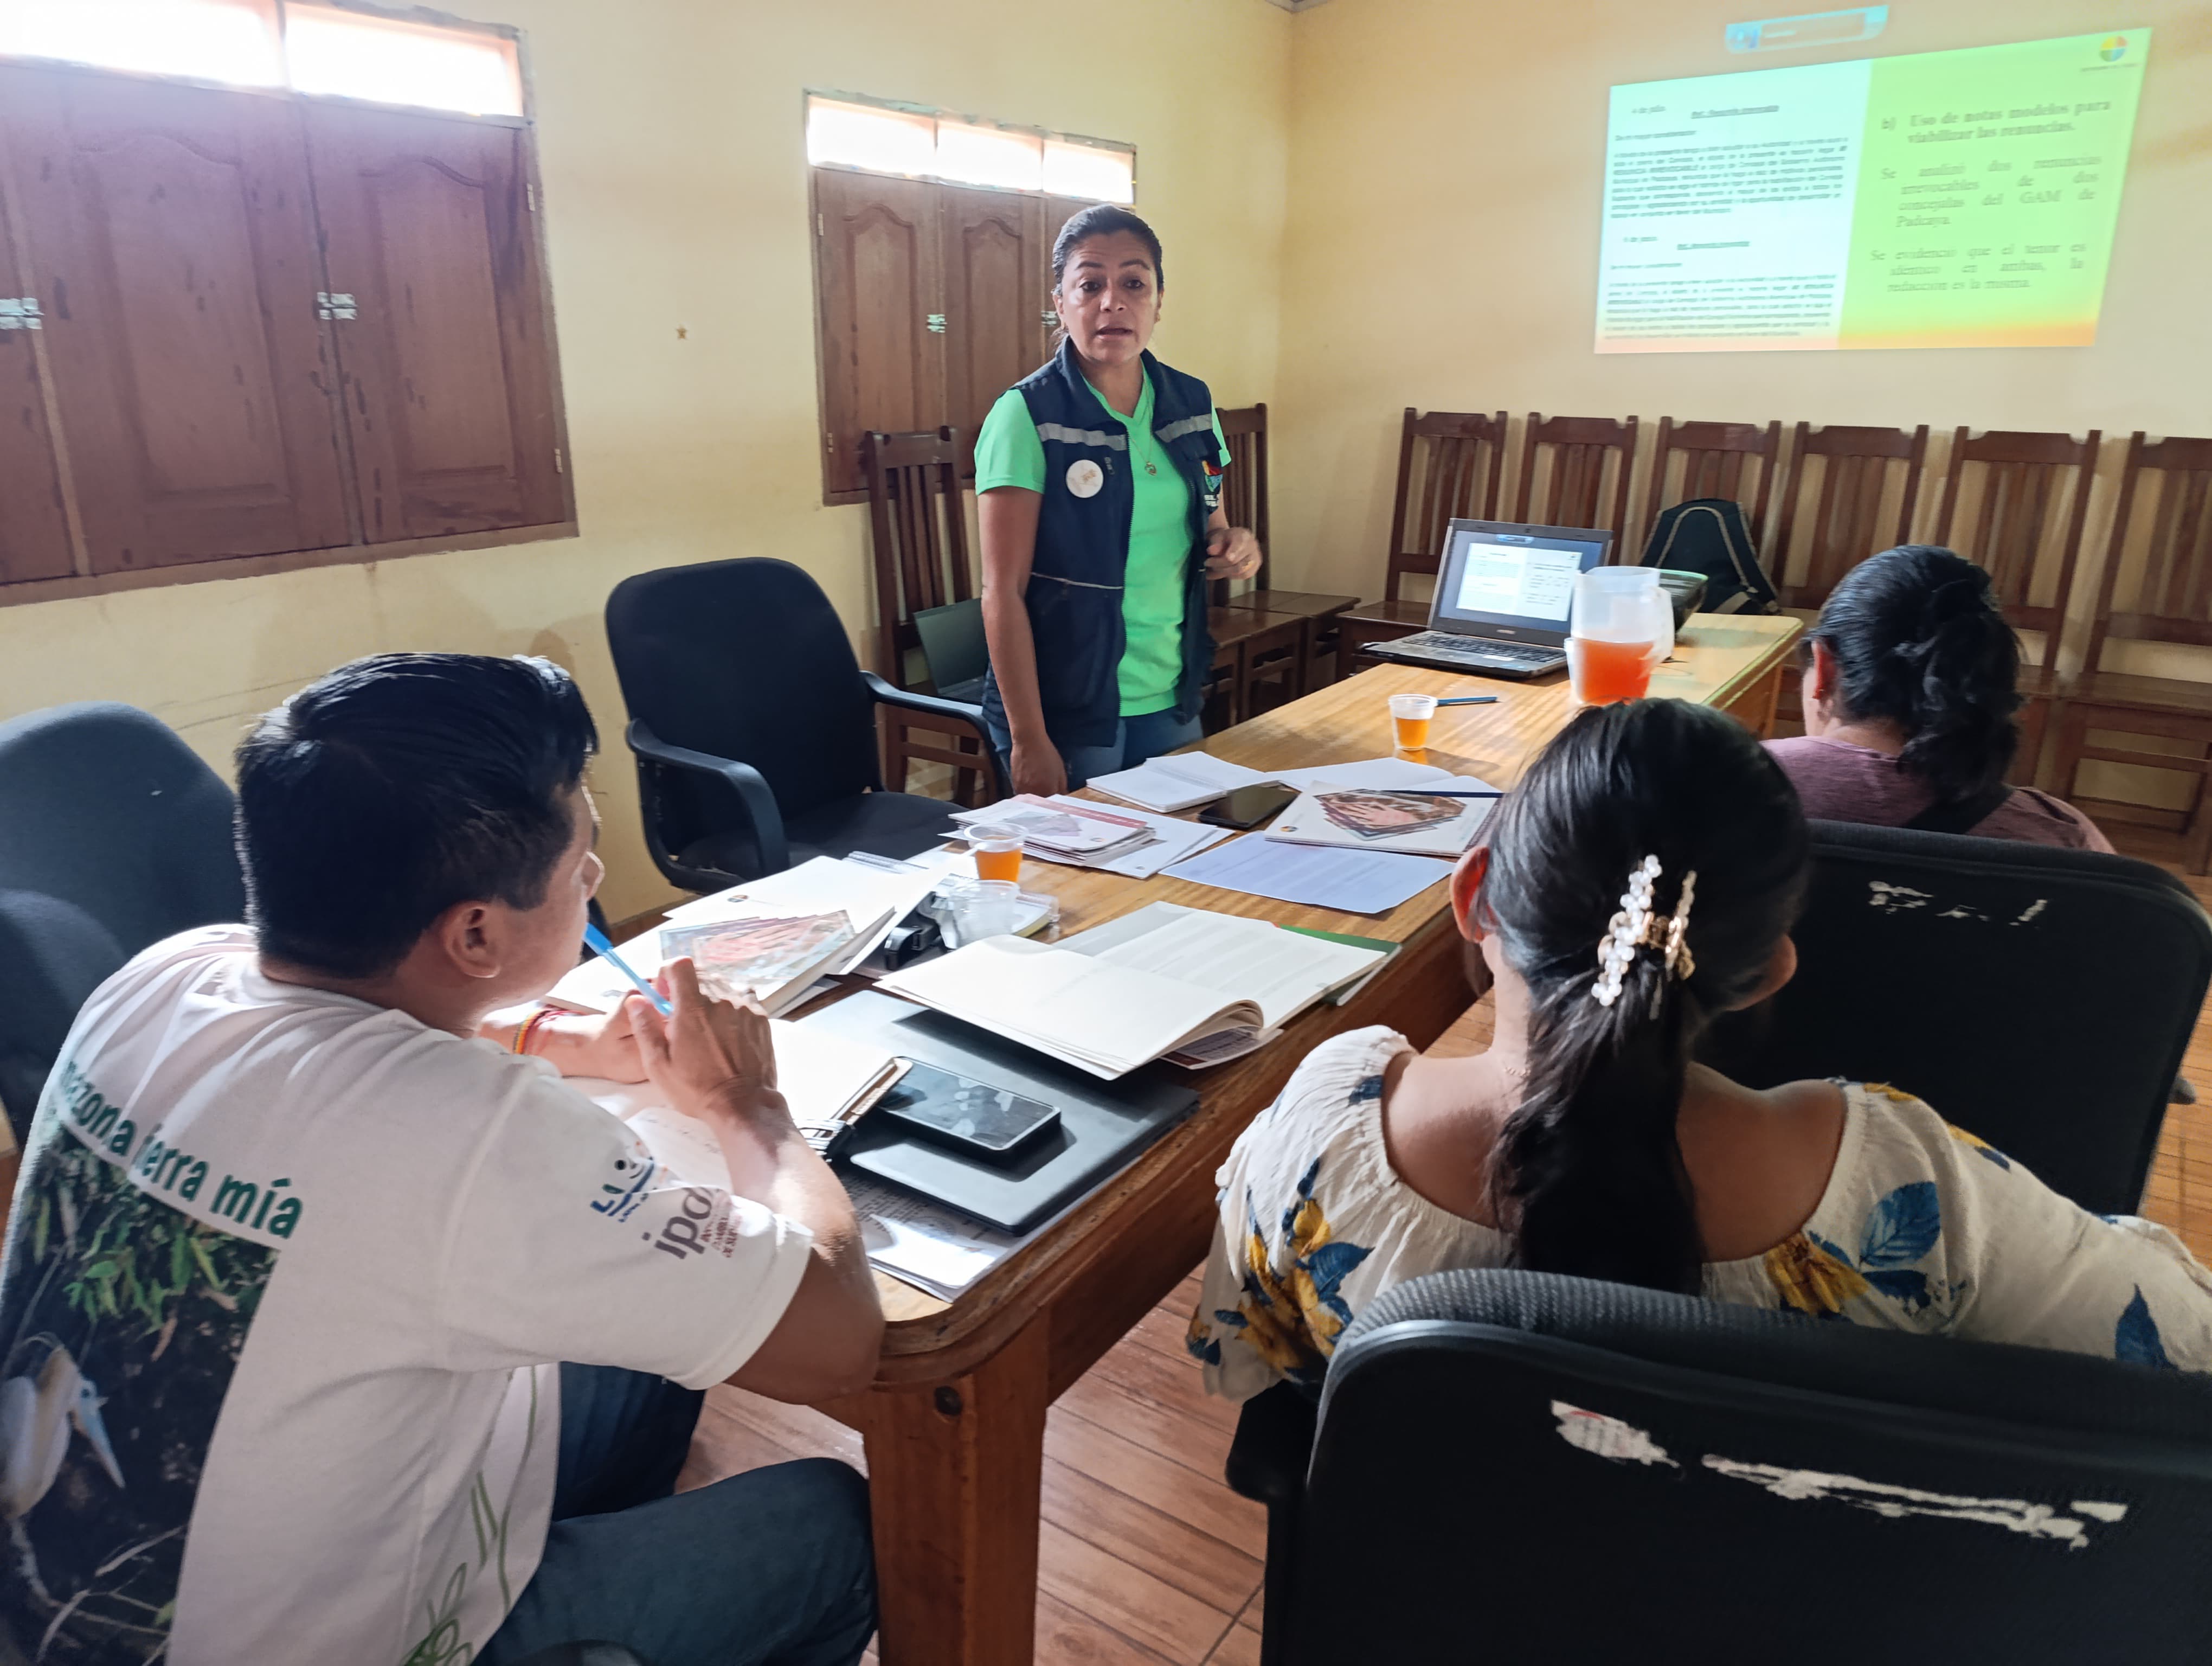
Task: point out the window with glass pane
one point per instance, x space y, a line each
232 41
345 54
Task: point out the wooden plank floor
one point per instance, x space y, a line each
1146 1555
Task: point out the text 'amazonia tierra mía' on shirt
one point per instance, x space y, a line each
159 1167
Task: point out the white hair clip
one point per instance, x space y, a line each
1635 925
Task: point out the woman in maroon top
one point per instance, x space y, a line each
1910 692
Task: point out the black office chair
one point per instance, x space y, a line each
113 836
755 727
2041 999
1521 1466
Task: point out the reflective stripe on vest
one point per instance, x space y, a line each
1174 431
1083 436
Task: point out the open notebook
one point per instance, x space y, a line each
1163 980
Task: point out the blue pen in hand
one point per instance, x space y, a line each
596 941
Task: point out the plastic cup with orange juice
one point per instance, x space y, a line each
1411 713
997 850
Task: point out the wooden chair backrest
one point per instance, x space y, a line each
1244 488
1848 525
1450 463
2168 597
918 523
2029 481
1715 456
1582 449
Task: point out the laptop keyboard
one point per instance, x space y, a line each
1474 650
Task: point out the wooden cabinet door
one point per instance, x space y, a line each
884 319
996 278
34 542
447 360
170 239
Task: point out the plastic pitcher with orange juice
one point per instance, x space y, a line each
1621 627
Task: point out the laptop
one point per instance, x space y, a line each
952 647
1501 600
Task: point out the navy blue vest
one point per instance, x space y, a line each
1074 596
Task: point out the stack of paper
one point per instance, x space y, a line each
1172 839
1064 830
1355 881
1159 981
872 897
1414 821
922 1242
1179 780
1383 772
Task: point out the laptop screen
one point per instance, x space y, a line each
1512 582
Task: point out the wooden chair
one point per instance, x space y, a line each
1245 496
1582 449
2167 598
1847 524
2029 482
1450 464
918 523
1715 456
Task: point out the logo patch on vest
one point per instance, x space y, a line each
1085 477
1212 473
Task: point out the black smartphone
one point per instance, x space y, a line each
1247 806
985 1119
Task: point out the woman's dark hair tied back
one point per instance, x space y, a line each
1590 1177
1920 641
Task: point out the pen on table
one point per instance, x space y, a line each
596 942
1470 700
1426 793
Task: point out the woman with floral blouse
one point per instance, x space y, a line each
1641 881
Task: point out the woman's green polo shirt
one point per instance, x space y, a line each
1009 453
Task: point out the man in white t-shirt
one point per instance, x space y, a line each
334 1327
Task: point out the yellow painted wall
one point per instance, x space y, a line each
675 195
1375 203
1447 169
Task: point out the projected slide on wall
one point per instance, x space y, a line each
1943 199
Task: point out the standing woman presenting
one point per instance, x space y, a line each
1099 487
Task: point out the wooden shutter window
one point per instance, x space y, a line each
994 302
447 360
883 319
170 241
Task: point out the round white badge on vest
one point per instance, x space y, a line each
1085 477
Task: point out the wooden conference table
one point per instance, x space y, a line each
955 1423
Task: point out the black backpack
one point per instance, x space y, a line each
1707 535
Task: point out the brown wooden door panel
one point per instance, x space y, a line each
881 277
994 254
1058 211
34 541
446 366
170 236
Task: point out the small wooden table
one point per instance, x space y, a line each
955 1422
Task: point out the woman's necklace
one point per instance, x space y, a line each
1151 467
